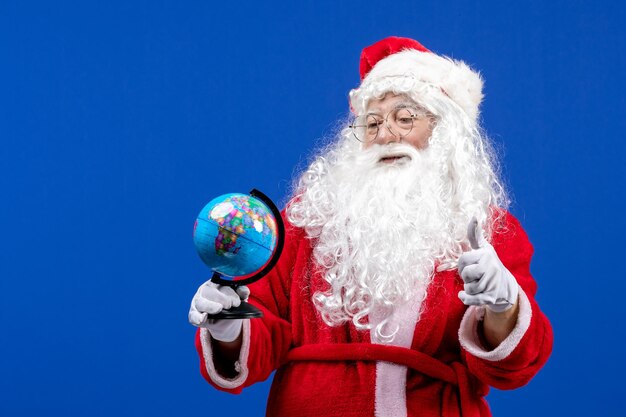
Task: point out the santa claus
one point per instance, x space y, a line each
404 286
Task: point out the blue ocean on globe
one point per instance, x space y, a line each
235 234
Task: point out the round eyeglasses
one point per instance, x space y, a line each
399 122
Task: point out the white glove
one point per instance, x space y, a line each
487 281
212 298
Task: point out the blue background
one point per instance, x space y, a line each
120 120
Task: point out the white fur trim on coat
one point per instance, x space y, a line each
454 78
468 331
390 399
241 365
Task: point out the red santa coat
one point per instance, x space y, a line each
338 371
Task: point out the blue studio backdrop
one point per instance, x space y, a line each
120 120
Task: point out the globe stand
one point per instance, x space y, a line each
247 310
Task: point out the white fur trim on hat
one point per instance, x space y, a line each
454 78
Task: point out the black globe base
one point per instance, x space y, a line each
244 311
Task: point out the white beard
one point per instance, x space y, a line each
386 227
379 229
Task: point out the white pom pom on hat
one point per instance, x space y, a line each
395 61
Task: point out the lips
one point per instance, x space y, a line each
395 158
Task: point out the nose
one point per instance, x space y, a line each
385 135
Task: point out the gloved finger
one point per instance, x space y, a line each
207 284
472 273
213 293
208 306
243 292
196 318
469 258
231 294
475 233
483 285
475 300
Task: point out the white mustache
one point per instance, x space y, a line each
376 153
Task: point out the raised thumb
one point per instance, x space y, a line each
475 234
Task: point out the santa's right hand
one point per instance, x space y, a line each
211 299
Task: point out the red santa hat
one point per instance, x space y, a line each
400 64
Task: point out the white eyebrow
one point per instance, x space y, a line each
399 105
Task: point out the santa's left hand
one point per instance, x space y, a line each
487 281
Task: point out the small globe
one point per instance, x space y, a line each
235 235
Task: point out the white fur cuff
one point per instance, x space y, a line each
468 331
241 365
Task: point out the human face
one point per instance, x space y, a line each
422 126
